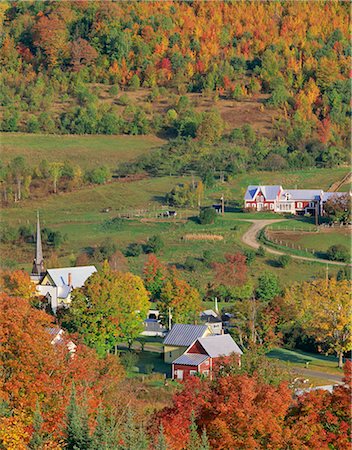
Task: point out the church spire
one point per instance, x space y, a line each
38 263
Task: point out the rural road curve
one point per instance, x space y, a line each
317 374
250 238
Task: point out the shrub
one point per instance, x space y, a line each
114 90
100 175
284 260
192 264
250 256
133 249
153 245
207 216
338 253
129 360
260 251
124 100
207 258
7 234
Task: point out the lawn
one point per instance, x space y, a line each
289 179
298 359
86 151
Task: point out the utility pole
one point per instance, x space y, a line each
317 214
222 205
327 275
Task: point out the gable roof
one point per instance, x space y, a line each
219 345
303 194
190 359
184 335
79 275
269 192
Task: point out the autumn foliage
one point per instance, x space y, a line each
33 369
241 411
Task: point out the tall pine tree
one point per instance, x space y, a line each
133 436
37 439
77 430
161 442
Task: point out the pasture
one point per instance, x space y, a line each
79 214
86 151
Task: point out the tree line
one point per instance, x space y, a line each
18 178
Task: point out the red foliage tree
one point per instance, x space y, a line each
233 272
82 54
33 368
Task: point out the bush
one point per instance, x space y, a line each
124 100
133 249
338 253
207 258
114 90
100 175
260 251
250 256
284 260
153 245
207 216
7 234
129 360
192 264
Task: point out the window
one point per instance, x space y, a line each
271 205
299 205
206 373
170 354
193 373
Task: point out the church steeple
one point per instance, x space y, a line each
38 263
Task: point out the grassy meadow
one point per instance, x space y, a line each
78 214
86 151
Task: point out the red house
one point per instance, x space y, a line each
200 356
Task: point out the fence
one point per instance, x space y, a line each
289 245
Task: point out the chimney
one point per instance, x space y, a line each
69 279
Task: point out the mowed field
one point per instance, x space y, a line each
86 151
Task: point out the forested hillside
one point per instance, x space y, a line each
87 67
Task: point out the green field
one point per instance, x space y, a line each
86 151
79 215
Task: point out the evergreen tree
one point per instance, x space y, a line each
77 431
204 441
104 433
133 436
161 442
37 440
194 441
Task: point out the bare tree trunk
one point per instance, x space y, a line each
55 185
340 360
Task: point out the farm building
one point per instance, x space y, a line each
57 284
201 355
212 320
180 338
277 199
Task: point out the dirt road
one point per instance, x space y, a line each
250 238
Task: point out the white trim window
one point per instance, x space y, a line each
193 373
299 205
271 205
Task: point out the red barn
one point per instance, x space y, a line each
200 356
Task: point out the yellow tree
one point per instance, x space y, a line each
323 309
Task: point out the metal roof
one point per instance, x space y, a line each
219 345
269 192
190 359
79 275
302 194
184 335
